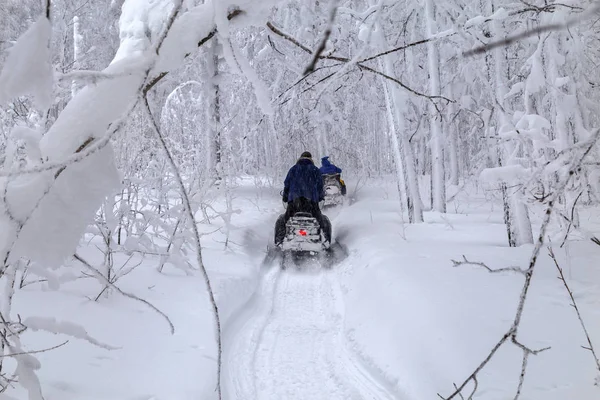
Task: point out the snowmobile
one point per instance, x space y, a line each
334 191
303 234
305 243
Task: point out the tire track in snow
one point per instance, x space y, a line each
370 379
290 344
242 337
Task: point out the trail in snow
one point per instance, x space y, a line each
289 344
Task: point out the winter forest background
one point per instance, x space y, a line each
143 145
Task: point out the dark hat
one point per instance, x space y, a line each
306 154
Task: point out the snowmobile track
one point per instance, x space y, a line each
289 344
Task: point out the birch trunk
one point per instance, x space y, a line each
438 173
77 39
453 134
402 151
214 115
500 81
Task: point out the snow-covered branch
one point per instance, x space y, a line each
589 13
100 276
192 220
154 80
512 332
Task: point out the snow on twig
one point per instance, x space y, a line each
192 219
63 327
152 82
593 10
91 77
512 332
35 351
90 146
99 275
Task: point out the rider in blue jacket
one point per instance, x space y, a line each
327 168
302 191
303 180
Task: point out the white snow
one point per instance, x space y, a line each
189 28
395 320
50 324
140 23
499 15
27 69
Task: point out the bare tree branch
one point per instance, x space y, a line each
192 219
480 264
407 46
528 273
98 274
317 54
590 346
364 67
359 65
571 220
536 31
35 351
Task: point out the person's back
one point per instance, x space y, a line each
303 180
327 168
303 190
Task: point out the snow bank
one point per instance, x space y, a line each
426 324
148 362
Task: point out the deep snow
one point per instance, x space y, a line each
394 320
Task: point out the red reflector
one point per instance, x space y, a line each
302 232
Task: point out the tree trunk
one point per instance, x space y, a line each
77 45
402 150
214 114
438 173
453 134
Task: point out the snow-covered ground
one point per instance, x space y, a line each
395 320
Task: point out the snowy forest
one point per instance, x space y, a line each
143 150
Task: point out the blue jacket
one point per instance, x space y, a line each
327 168
303 180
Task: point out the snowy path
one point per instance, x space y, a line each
289 344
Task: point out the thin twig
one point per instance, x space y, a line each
317 54
513 330
480 264
359 65
192 219
590 346
35 351
532 32
98 274
572 219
